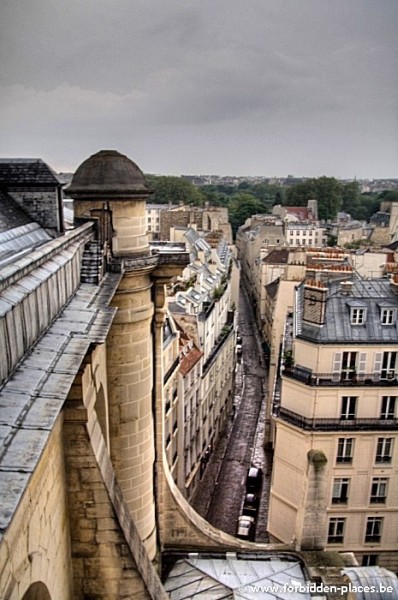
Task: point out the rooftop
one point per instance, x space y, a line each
110 174
31 400
371 296
236 576
22 172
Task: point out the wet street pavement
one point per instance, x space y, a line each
221 492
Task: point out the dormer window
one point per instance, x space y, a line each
358 316
388 316
358 308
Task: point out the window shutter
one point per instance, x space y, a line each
362 366
377 365
336 369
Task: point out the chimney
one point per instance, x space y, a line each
346 288
314 302
394 284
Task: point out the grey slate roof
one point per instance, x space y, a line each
26 172
18 241
19 234
32 398
371 581
272 288
11 215
370 294
236 577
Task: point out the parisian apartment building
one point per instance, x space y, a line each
334 429
204 308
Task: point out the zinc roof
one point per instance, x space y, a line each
371 295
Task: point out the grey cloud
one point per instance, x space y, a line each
187 74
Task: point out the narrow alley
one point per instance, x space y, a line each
221 493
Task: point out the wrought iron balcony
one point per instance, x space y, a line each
343 379
320 424
171 370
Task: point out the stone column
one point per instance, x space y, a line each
161 463
312 532
130 382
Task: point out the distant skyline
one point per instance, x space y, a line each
255 88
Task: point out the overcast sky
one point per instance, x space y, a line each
240 87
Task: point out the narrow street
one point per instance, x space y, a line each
221 492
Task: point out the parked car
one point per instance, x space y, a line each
250 505
254 480
245 529
239 349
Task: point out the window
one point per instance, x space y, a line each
388 316
388 407
373 529
340 491
388 365
378 492
348 408
349 365
384 450
369 560
345 450
336 530
358 316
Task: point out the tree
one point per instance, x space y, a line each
173 190
351 197
329 195
269 195
326 190
299 194
243 206
388 196
213 197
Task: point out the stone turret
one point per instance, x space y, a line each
111 188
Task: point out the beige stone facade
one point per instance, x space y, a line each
340 400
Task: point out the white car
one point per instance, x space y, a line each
245 529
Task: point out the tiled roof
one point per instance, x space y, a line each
190 359
278 257
21 172
300 211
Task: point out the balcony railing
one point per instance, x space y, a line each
171 370
343 379
222 338
320 424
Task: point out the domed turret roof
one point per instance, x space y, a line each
107 174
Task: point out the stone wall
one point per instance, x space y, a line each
108 556
178 218
36 545
42 206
